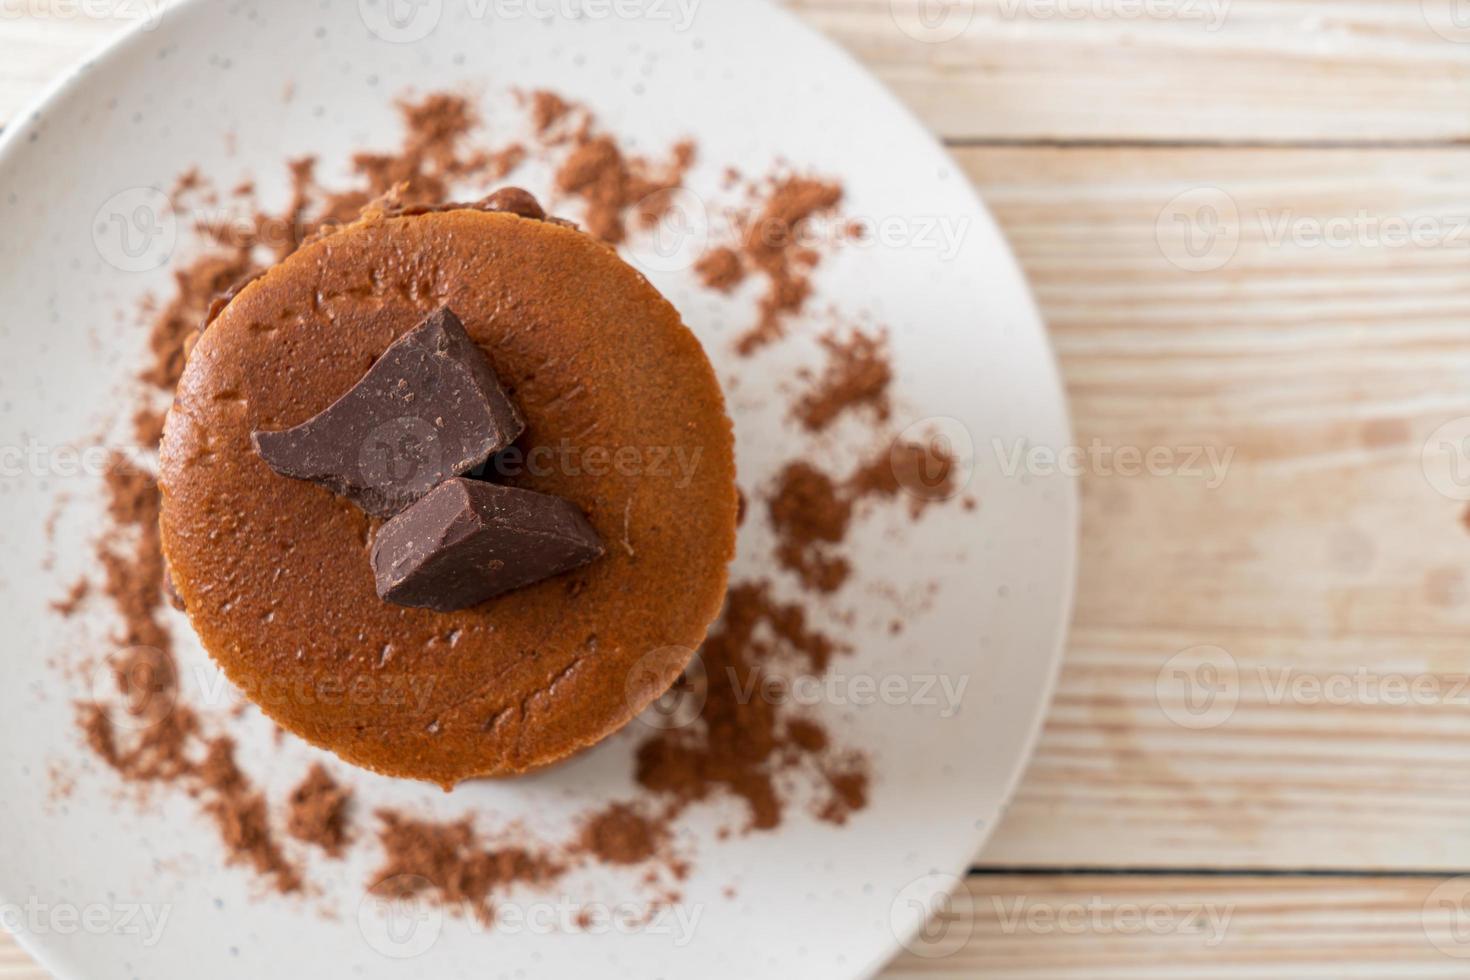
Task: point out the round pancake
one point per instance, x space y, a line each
624 417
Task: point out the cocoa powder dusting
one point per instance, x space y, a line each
195 286
145 734
806 735
620 834
849 792
449 863
810 515
811 512
547 109
720 269
744 744
611 184
433 154
242 817
160 741
741 743
858 374
68 604
772 247
318 811
926 473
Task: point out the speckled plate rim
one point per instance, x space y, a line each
15 135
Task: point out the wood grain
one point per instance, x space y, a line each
1324 554
1195 69
1139 927
35 50
1149 70
1318 585
15 964
1238 70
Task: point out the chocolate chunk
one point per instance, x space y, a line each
514 200
171 591
429 408
467 541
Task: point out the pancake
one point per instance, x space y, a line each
624 418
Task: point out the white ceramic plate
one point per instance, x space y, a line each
204 85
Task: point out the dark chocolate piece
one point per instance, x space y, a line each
171 591
428 409
514 200
468 540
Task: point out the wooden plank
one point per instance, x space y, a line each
1153 70
1324 367
35 50
1140 927
1274 70
1324 556
15 964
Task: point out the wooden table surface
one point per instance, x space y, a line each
1248 224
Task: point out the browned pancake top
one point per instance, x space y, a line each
624 417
